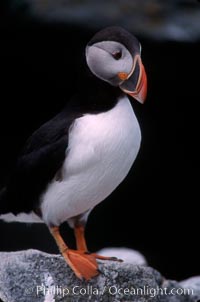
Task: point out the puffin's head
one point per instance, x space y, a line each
114 56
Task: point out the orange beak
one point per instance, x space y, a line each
135 83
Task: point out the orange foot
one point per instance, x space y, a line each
84 264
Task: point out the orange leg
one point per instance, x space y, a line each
83 265
82 262
81 245
79 232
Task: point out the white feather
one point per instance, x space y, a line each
102 149
22 217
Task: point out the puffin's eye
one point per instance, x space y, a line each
117 55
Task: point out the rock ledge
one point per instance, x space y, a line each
37 276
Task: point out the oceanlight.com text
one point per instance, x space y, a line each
58 291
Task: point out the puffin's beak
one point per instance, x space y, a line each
135 83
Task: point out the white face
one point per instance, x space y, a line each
107 59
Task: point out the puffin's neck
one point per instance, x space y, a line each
94 95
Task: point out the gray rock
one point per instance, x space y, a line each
28 276
193 283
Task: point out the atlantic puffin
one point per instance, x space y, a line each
78 158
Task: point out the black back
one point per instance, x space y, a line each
45 151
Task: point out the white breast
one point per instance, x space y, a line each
102 149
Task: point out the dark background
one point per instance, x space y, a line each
155 210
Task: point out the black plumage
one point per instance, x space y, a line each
45 151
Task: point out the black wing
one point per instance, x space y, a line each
40 160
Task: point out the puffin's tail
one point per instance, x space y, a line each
3 203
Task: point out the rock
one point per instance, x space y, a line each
193 283
128 255
28 276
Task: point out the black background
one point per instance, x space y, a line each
155 210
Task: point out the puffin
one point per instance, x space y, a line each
78 158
